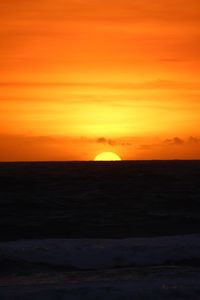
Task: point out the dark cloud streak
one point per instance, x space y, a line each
174 141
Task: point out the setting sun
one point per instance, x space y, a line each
107 156
82 77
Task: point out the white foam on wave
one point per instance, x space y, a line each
103 253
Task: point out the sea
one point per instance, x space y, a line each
100 230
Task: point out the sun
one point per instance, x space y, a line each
107 156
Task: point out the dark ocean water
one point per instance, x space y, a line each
99 199
94 230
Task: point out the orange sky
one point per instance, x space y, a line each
78 77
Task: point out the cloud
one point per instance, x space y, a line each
137 85
137 10
174 141
62 139
103 140
111 142
193 140
38 139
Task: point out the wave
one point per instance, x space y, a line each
103 253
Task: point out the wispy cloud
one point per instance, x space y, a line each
113 142
137 10
174 141
194 140
155 84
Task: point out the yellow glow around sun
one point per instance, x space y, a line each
107 156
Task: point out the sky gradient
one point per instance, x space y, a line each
78 77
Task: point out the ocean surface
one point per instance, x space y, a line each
100 230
